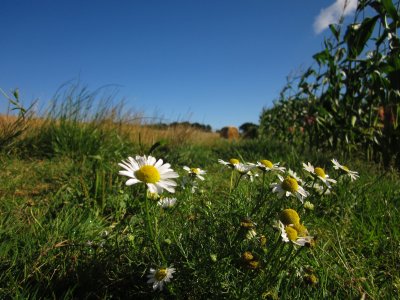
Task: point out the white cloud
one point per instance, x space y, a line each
332 14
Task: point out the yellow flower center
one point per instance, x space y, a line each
148 174
291 233
160 274
311 279
289 216
301 229
195 170
290 184
345 168
234 161
247 223
267 163
254 264
247 256
320 172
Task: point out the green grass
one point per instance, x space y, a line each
70 228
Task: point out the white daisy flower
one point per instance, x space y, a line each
166 202
251 234
288 187
231 163
195 172
266 165
294 175
337 166
244 168
319 173
160 276
290 234
156 175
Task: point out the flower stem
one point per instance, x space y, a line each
153 236
230 187
148 221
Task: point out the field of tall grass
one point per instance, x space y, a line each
249 219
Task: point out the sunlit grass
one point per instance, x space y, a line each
58 241
70 227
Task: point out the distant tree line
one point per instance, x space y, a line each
247 130
198 126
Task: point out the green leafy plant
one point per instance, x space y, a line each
350 100
15 122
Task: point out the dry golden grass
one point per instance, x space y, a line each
137 132
176 135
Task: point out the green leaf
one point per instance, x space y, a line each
322 57
334 31
357 36
390 9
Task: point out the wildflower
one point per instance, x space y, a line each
266 165
160 276
289 186
254 264
290 234
166 202
294 175
319 173
337 166
244 168
289 216
247 256
156 175
251 234
301 229
308 205
231 163
247 223
195 172
310 279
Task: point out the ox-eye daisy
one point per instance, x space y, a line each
290 234
244 168
156 175
289 186
294 175
231 163
266 165
337 166
195 172
160 276
319 173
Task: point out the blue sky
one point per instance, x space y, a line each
216 62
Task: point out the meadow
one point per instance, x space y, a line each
97 203
227 227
